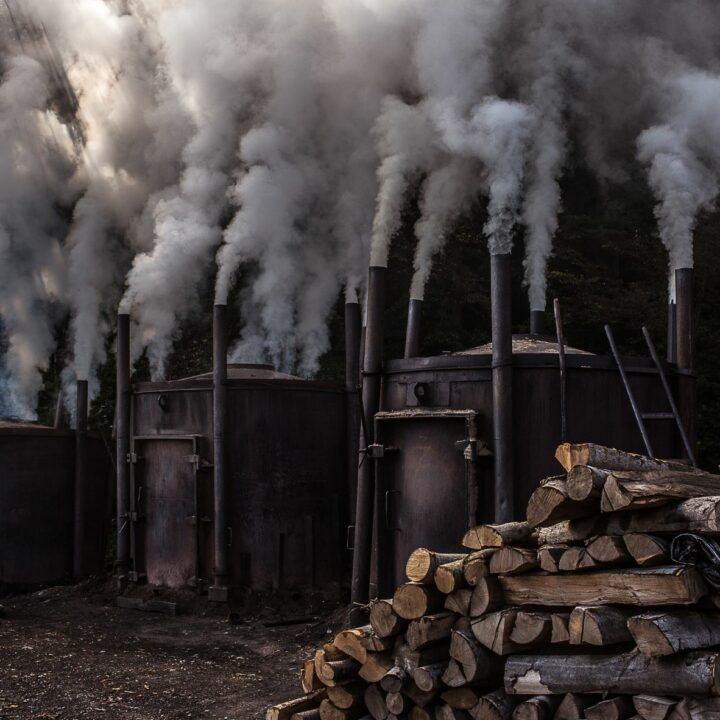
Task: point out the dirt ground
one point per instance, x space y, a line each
71 653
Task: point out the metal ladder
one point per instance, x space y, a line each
642 417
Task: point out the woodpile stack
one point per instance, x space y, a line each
577 612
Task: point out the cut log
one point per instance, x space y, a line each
307 715
560 628
336 671
476 565
346 696
666 633
513 561
412 600
427 677
694 673
309 680
375 702
422 713
598 456
478 665
494 631
550 503
487 596
539 707
411 660
696 709
420 698
495 706
384 620
328 711
429 629
697 515
585 483
445 712
423 563
284 711
654 707
461 698
631 586
394 680
397 703
576 558
637 490
459 601
572 707
454 676
608 550
373 670
531 628
647 550
617 708
349 642
599 625
549 557
518 534
450 577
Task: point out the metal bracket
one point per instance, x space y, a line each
133 458
350 538
472 449
377 451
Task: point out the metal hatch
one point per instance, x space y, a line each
427 490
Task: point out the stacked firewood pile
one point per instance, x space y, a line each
578 612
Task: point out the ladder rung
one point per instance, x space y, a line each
658 416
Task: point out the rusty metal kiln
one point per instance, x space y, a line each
235 479
43 492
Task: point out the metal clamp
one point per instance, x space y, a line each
377 451
350 537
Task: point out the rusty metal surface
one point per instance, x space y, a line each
37 508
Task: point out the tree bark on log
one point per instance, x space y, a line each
423 563
693 673
477 565
328 711
617 708
666 633
598 456
375 702
429 629
394 679
284 711
349 642
599 625
374 668
539 707
346 696
460 698
518 534
654 707
427 677
495 706
550 503
450 577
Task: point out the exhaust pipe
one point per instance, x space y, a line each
353 331
219 590
537 322
372 366
122 413
502 385
81 413
672 332
685 349
412 334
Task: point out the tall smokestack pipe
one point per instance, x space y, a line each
537 322
81 413
685 343
372 365
412 334
218 592
122 411
672 332
502 385
353 330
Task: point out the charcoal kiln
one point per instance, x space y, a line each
54 502
235 479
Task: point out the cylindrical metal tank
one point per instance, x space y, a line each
37 492
435 435
286 476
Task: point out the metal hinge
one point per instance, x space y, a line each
377 451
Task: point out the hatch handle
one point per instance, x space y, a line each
388 493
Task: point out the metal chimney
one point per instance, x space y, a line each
372 366
537 322
81 413
502 385
412 334
353 331
685 349
219 591
122 413
672 332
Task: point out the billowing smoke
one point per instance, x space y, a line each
144 139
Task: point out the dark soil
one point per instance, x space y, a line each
70 653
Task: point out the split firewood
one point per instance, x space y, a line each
394 679
423 563
454 676
550 503
445 712
463 624
375 702
560 628
647 550
598 456
412 600
518 534
576 558
531 627
333 672
494 631
346 696
461 698
549 557
328 711
307 715
411 660
666 633
617 708
284 711
384 620
308 678
608 550
487 596
373 670
599 625
428 629
513 561
630 586
419 697
585 483
397 703
450 577
637 490
427 677
476 565
693 673
459 601
350 642
478 665
572 706
690 708
495 706
538 707
654 707
422 713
